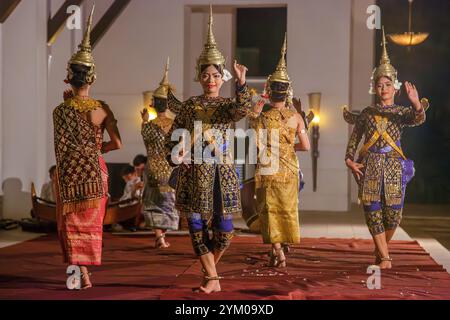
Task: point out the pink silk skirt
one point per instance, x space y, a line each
81 233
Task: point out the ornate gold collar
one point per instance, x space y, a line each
83 105
163 123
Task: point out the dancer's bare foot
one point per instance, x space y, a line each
212 285
386 263
85 280
161 243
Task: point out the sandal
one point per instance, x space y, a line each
281 262
286 248
275 260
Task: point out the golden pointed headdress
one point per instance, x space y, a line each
164 85
84 54
385 69
210 54
280 74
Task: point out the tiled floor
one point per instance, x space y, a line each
437 251
12 237
333 225
339 225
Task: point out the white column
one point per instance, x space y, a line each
43 133
362 63
319 61
130 62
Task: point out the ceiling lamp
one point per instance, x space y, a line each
409 38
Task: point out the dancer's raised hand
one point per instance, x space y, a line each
241 71
145 115
413 94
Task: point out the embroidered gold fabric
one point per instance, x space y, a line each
397 118
196 184
222 240
381 167
288 165
199 243
277 193
158 169
83 105
77 144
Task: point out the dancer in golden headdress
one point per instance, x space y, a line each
159 197
382 170
82 176
277 171
208 190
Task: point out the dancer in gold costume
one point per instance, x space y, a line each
159 197
277 172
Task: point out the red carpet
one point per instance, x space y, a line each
132 269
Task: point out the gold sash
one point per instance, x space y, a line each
381 132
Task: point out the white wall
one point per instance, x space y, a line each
24 80
130 60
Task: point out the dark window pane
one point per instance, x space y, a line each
260 35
